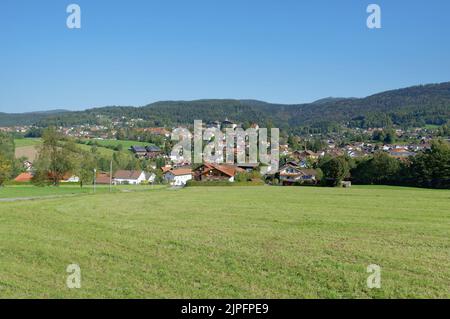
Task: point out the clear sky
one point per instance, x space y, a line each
289 51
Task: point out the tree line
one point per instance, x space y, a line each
9 165
429 168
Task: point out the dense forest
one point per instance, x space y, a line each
410 107
27 118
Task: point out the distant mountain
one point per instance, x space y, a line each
28 118
57 111
408 107
330 99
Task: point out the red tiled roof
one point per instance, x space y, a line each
181 171
301 172
229 170
399 150
24 177
102 178
166 168
122 174
157 130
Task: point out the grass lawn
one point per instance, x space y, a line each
103 151
27 147
29 152
108 152
432 126
28 190
244 242
125 144
23 142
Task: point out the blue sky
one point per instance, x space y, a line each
288 51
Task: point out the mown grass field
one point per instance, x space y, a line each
217 242
27 147
103 151
29 152
23 142
30 191
125 144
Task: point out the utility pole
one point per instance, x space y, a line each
95 178
110 176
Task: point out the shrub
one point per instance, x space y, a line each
224 183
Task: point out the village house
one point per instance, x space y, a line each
132 177
179 160
331 143
159 131
178 176
400 152
166 168
248 167
291 174
356 150
307 154
335 152
301 164
213 124
102 178
139 151
153 151
228 124
217 172
284 149
70 178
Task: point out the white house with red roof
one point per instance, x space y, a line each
178 176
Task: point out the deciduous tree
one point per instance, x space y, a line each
334 171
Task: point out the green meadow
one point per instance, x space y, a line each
26 191
229 242
125 144
24 145
103 151
24 142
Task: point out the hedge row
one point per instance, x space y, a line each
224 183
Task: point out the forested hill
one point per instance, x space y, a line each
28 118
409 107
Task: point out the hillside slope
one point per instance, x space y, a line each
413 106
